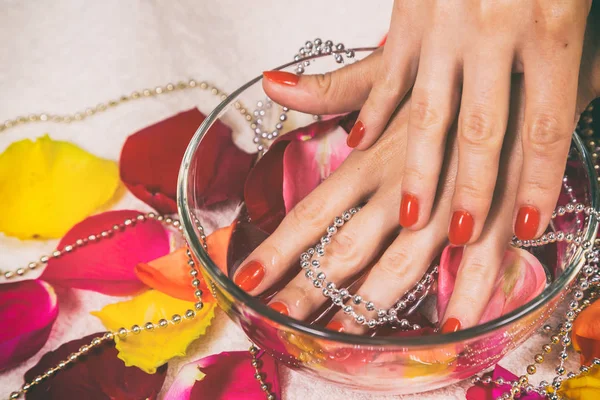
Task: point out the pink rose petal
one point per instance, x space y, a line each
307 164
224 376
520 279
107 266
28 310
267 193
492 392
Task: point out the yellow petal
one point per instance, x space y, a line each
151 349
48 186
584 387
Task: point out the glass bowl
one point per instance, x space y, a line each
395 365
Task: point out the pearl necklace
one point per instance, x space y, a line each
588 280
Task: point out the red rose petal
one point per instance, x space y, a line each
151 158
100 375
28 310
107 265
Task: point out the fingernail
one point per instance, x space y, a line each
451 325
280 308
461 228
250 276
527 223
409 210
282 78
356 134
335 326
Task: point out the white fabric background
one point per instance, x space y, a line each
62 56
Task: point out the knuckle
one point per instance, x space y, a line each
325 84
474 191
387 87
541 185
415 174
423 115
475 272
476 128
309 212
394 263
544 132
558 21
343 246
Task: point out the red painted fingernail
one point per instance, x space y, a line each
250 276
282 77
451 325
280 307
461 228
356 134
409 210
527 223
335 326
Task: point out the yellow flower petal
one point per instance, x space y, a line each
584 387
48 186
149 350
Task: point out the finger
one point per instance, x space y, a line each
482 260
400 266
349 251
302 227
551 93
394 77
398 269
433 104
481 128
339 91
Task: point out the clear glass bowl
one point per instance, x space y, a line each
395 365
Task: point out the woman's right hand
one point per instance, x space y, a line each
375 176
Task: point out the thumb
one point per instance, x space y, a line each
340 91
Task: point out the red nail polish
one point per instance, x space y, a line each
250 276
451 325
461 228
527 223
280 307
282 77
409 210
335 326
356 134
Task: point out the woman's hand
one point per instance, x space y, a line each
376 175
457 56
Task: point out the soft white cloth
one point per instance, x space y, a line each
62 56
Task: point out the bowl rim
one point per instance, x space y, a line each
549 293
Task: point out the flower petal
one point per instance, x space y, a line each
307 164
218 245
170 274
224 376
152 349
108 265
264 188
100 375
586 333
520 279
29 308
150 161
491 392
583 387
47 186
